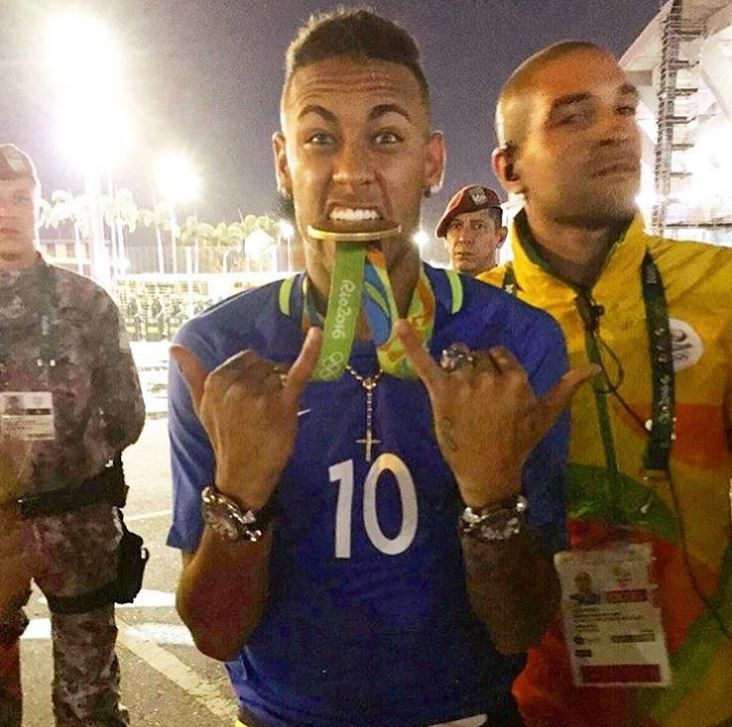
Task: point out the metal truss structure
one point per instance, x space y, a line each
682 66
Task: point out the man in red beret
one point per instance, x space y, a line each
472 225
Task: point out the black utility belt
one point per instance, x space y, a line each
12 628
106 487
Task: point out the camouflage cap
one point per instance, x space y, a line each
16 164
467 199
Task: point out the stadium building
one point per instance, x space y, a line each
682 66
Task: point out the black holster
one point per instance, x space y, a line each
107 487
133 557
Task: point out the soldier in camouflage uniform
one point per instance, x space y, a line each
64 352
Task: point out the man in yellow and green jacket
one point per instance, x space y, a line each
569 144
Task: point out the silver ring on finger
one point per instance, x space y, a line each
456 356
281 373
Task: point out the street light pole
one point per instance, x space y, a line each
288 232
84 61
178 182
99 255
158 236
173 236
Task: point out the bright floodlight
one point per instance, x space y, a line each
81 52
647 196
286 229
176 179
257 242
84 65
421 239
86 138
710 161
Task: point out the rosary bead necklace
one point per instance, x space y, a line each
369 384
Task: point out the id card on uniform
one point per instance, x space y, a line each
612 617
27 415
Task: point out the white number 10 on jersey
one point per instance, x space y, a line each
342 474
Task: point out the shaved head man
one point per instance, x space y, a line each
652 436
569 143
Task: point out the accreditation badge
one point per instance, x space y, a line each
612 617
27 415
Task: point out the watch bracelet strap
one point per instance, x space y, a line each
262 517
496 522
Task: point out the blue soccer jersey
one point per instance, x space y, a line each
368 621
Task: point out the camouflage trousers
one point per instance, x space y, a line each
13 622
76 552
11 705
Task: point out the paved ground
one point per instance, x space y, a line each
165 681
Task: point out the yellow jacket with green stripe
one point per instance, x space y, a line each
606 439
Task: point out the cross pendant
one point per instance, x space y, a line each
368 441
369 384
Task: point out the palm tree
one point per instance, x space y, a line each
64 207
120 212
249 237
223 239
159 218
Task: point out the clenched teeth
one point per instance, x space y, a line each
352 214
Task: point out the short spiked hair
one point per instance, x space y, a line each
358 33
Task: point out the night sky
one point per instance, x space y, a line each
204 77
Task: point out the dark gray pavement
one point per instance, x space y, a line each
165 680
